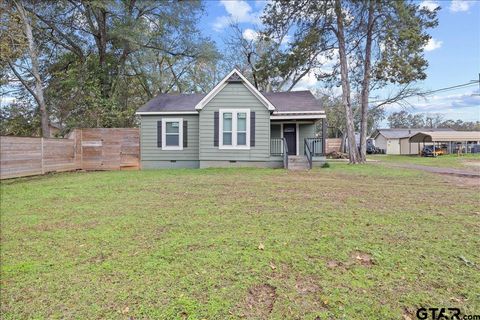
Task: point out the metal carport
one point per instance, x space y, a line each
448 137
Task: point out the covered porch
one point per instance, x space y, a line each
298 136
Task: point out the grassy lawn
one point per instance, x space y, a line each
347 242
449 160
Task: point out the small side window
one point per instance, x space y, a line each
172 134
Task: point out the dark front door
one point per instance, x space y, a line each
290 134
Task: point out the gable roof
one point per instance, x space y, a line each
284 102
278 102
398 133
234 76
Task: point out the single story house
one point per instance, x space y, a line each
232 125
396 141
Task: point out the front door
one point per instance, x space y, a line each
290 134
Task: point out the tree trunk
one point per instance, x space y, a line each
366 84
352 148
101 17
38 93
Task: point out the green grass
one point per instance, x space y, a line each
449 160
178 244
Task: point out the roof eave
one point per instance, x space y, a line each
297 116
144 113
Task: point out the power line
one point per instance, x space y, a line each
427 93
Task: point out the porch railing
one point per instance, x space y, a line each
278 147
315 145
308 153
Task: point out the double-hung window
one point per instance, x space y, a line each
234 129
172 133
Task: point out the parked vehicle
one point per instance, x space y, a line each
372 149
432 151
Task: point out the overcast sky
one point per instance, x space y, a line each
453 53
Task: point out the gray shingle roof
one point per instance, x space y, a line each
294 101
398 133
172 102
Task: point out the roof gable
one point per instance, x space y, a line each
235 77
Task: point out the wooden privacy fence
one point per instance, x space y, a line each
333 144
87 149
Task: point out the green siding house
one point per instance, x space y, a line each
232 125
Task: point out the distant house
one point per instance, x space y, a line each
232 125
55 129
396 141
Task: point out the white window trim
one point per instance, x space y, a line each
234 129
164 133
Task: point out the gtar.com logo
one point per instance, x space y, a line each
444 314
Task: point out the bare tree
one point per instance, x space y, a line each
339 32
366 83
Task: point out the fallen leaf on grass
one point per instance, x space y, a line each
467 262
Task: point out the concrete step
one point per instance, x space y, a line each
297 163
294 159
297 168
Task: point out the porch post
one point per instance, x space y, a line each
324 135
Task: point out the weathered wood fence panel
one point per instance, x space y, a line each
21 157
333 144
59 155
88 149
110 149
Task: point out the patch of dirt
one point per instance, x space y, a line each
334 264
64 225
306 285
472 163
98 258
259 302
407 314
362 258
462 181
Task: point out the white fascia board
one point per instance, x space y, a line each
298 112
223 83
294 117
145 113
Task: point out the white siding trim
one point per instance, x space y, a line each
145 113
318 116
298 112
180 134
